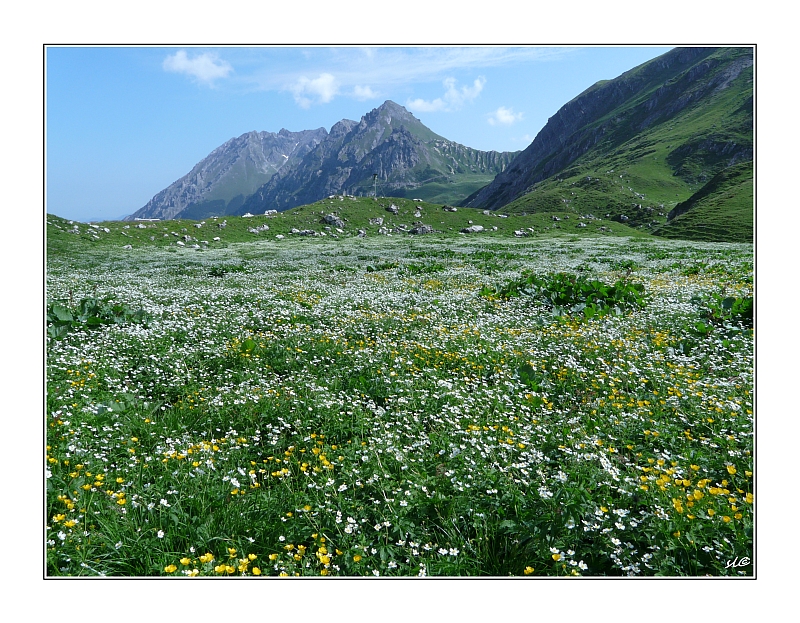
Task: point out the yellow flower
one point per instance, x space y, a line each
731 469
528 570
556 557
356 558
252 556
711 512
170 568
256 571
185 562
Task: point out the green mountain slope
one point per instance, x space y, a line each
721 211
634 147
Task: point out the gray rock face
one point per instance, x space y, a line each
238 167
388 141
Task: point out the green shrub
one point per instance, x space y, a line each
90 313
565 293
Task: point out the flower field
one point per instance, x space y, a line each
393 407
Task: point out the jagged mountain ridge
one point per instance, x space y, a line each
259 171
388 141
653 111
229 174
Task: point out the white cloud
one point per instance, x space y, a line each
204 67
504 116
363 93
321 89
453 98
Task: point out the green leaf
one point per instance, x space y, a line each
61 312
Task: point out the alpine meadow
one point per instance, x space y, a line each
388 354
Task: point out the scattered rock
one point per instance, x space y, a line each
421 229
449 209
180 243
128 246
333 220
473 229
393 209
376 221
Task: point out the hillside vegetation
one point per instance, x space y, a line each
633 148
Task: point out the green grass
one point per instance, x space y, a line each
356 407
356 213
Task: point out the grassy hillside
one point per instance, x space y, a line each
356 213
722 210
643 166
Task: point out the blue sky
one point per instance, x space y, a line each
123 123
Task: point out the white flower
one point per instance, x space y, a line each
160 534
342 487
375 572
454 551
442 551
583 566
281 538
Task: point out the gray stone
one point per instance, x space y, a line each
473 229
333 220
